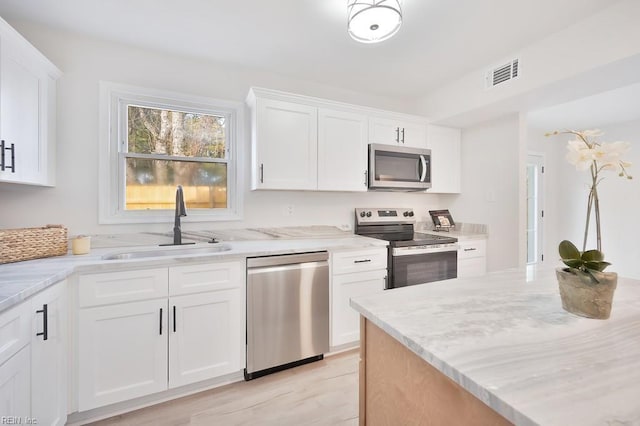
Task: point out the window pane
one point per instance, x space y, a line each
184 134
151 184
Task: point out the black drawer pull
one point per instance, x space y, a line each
45 322
470 249
174 318
362 261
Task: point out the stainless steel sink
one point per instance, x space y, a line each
166 252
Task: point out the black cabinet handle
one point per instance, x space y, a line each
174 318
261 172
398 134
3 164
45 322
161 321
470 249
403 135
362 261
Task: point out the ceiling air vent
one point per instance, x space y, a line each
502 73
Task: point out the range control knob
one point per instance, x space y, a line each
405 214
368 214
362 214
410 214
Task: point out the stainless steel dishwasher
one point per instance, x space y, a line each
287 311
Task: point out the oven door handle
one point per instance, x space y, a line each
423 175
405 251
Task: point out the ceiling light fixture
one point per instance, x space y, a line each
372 21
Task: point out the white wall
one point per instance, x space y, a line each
599 53
490 185
566 199
74 201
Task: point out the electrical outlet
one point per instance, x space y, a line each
288 210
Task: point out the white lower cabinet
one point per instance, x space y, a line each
472 258
14 385
49 355
122 352
206 336
33 358
354 273
129 350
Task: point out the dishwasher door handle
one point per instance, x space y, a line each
255 262
282 268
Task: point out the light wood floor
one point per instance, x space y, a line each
321 393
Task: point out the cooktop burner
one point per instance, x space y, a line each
395 226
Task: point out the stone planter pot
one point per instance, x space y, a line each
581 296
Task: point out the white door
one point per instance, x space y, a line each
20 106
48 356
342 151
345 321
535 207
14 385
122 352
206 336
286 145
444 143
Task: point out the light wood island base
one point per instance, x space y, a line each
399 388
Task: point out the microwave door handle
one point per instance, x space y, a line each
423 175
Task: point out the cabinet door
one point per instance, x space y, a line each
122 352
22 98
48 356
342 151
14 385
444 144
345 321
285 142
206 336
397 132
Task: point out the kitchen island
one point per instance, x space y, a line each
497 349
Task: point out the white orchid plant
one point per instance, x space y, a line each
586 153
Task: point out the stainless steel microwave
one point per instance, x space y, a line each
399 168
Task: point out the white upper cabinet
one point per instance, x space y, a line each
27 111
342 150
391 131
286 152
305 143
444 143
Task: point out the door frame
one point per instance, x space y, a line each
537 159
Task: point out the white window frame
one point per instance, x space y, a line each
113 100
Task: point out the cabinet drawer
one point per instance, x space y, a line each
359 260
15 325
207 277
121 287
474 248
473 267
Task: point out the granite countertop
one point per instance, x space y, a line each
19 281
507 340
462 231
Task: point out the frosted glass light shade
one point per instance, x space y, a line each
372 21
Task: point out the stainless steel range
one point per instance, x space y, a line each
414 257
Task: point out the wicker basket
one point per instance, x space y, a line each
32 243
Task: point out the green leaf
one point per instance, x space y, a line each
598 265
573 263
568 251
592 255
